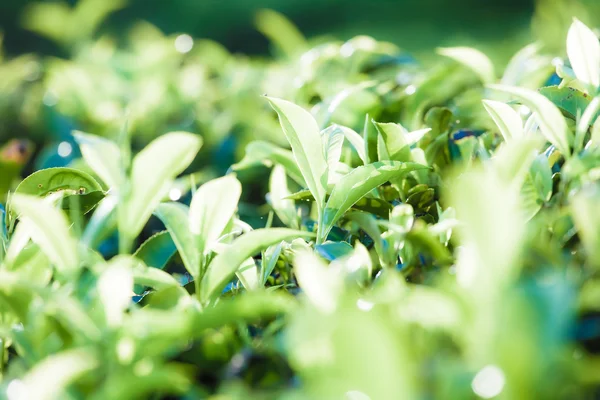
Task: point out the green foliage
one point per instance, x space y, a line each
448 250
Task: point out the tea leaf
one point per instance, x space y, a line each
225 264
153 172
265 153
157 250
175 216
103 156
473 59
279 194
321 284
48 227
212 207
303 133
583 49
358 183
508 120
48 379
50 180
552 124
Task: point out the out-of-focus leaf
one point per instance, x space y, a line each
48 227
48 379
473 59
508 120
103 156
584 210
333 250
321 284
583 49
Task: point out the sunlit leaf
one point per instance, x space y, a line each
153 172
175 216
48 227
304 136
583 49
552 124
103 156
212 207
473 59
508 120
225 264
354 186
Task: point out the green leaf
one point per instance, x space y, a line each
584 209
175 216
333 141
152 277
265 153
332 250
281 32
212 207
304 136
278 197
322 285
473 59
225 264
157 250
356 185
571 102
552 124
249 306
583 50
356 141
48 379
153 172
103 156
508 120
49 228
50 180
102 223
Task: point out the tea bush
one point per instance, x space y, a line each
371 228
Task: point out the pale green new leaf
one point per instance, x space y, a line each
552 124
153 172
49 378
304 136
278 192
333 140
583 50
175 216
248 274
508 120
103 156
259 152
473 59
394 138
321 284
585 208
358 183
356 141
226 264
49 228
212 207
